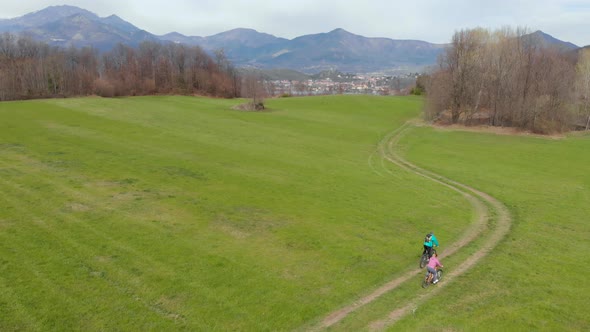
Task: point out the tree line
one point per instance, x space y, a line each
31 69
510 78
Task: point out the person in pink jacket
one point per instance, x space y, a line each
433 263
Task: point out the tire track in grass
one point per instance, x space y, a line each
477 227
377 152
480 202
502 227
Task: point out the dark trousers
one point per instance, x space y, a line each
428 250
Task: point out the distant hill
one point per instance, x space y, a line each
72 26
547 40
348 52
176 37
276 74
42 17
337 50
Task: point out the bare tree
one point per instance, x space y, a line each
583 84
503 71
439 95
462 61
253 88
31 69
504 78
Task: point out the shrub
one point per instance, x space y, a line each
104 88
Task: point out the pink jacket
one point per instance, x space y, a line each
434 262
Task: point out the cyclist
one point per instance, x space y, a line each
433 263
430 241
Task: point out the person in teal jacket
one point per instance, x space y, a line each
430 241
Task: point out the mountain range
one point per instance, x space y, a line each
341 50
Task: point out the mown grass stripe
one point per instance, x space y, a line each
82 255
20 315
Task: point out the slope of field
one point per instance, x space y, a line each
165 213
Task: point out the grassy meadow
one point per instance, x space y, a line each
536 279
164 213
179 213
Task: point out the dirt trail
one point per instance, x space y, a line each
480 202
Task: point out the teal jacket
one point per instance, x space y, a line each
433 241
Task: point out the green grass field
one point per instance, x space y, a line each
170 213
537 279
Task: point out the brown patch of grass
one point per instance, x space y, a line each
250 107
495 130
107 184
123 196
170 307
103 259
233 231
77 207
244 221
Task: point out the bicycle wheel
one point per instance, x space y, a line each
425 282
423 260
439 274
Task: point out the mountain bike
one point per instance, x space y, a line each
424 258
429 277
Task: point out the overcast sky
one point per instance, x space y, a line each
434 21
